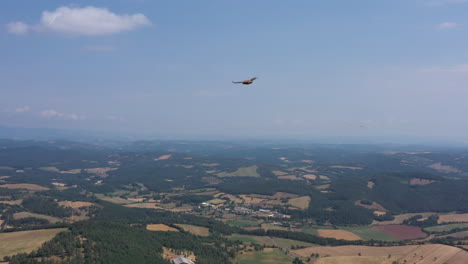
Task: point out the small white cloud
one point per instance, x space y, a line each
447 25
22 109
86 21
51 113
99 48
17 28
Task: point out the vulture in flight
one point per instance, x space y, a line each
247 82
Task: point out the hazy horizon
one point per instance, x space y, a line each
386 71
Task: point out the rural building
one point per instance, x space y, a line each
182 260
242 210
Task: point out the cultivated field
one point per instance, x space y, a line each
443 228
453 218
22 215
338 234
279 173
346 167
241 172
281 195
163 157
269 241
356 260
310 176
161 227
100 171
369 232
300 202
288 177
25 241
116 200
424 254
75 205
53 169
400 218
267 256
144 205
417 181
25 186
402 232
374 206
196 230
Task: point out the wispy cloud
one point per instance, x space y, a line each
22 109
17 28
51 113
447 25
86 21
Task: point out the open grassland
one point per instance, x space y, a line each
25 241
12 202
244 223
144 205
196 230
345 167
461 234
161 227
369 232
402 232
163 157
216 201
357 260
355 250
300 202
241 172
310 176
22 215
25 186
52 169
453 218
267 256
444 228
269 241
76 204
289 177
116 200
338 234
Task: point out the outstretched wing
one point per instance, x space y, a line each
252 79
236 82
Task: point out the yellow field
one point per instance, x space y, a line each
423 254
25 241
26 186
300 202
196 230
161 227
356 260
163 157
51 219
338 234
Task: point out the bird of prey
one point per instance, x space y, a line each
247 82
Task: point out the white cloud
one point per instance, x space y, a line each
51 113
86 21
447 25
17 28
22 109
99 48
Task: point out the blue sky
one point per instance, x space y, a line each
366 68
